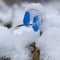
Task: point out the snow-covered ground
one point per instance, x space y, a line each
14 42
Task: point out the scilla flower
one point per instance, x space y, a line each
33 15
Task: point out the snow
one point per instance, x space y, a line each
14 42
11 44
49 42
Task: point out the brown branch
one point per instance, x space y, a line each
30 25
22 25
36 52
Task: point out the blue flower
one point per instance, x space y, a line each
26 20
36 24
